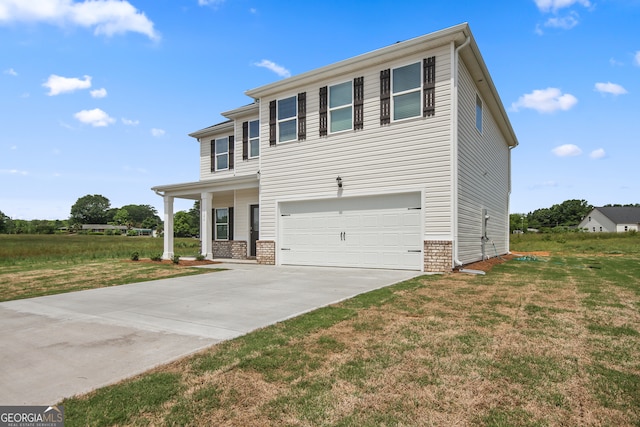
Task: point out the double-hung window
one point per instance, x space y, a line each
406 91
254 139
341 107
222 224
287 119
221 146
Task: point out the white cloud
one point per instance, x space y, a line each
157 132
11 72
555 5
95 117
598 154
98 93
567 150
636 58
58 84
615 63
565 23
129 122
106 17
546 101
278 69
612 88
210 2
13 172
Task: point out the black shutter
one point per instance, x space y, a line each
385 96
323 111
213 155
358 103
245 140
230 226
302 116
429 86
272 123
231 146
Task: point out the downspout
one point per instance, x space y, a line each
454 149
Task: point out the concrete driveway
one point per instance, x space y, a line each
62 345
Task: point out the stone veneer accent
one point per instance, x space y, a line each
438 256
234 249
266 252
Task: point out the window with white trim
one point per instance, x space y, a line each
254 139
478 113
222 224
221 153
341 107
406 84
287 119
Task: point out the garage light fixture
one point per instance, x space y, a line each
339 181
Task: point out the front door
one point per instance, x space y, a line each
254 228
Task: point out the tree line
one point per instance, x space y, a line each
563 216
89 209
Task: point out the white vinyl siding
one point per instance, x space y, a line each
483 178
403 156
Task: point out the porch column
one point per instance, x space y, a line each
206 225
168 227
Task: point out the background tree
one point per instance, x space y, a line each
182 225
4 223
90 209
518 221
143 215
122 217
568 213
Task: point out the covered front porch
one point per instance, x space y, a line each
229 215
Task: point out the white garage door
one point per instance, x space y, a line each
370 232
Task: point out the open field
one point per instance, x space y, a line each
544 341
36 265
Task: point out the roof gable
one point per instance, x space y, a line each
621 214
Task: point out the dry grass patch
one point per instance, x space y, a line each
531 344
18 282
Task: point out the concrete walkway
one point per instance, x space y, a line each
62 345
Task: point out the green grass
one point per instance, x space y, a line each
34 249
547 342
38 265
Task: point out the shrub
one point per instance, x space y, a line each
200 257
176 259
132 233
135 256
156 257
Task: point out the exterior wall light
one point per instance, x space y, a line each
339 181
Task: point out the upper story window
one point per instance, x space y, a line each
408 91
287 119
406 85
254 139
478 113
221 157
341 107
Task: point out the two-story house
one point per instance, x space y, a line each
398 158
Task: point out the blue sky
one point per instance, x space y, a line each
97 97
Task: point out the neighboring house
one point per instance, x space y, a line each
101 228
398 158
122 229
612 219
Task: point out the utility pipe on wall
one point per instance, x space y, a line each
454 149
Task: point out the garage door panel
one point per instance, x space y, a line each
355 232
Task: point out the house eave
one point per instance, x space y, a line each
388 53
192 190
217 128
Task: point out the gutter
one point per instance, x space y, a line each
454 148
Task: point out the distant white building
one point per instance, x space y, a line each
612 219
